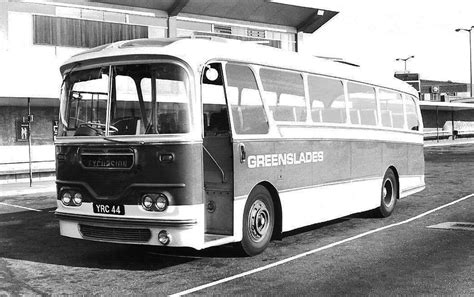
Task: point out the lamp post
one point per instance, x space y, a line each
470 56
405 61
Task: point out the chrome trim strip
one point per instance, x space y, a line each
124 221
315 139
416 188
133 142
348 181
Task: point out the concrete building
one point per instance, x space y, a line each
446 108
37 36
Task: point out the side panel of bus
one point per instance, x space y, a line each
315 172
320 180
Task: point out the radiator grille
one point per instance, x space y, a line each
116 234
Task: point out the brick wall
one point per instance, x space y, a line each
41 127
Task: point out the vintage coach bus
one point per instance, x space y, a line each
197 143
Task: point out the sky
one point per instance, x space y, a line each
374 33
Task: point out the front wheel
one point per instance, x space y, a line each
258 221
389 195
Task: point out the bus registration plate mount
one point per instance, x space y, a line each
112 209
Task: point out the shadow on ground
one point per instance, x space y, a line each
34 236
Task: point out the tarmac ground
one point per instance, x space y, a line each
424 248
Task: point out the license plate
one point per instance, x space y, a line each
112 209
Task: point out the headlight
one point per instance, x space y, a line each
147 202
164 237
71 197
161 202
155 202
77 199
66 198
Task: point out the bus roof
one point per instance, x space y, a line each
198 51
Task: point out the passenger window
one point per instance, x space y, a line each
247 108
412 115
391 109
327 100
362 104
215 115
284 93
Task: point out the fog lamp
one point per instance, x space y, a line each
66 198
147 202
164 237
161 202
77 199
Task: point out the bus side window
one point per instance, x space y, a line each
248 114
391 108
362 98
412 115
327 101
284 94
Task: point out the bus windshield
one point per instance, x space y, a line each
142 99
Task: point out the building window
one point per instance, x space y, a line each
256 33
82 33
272 43
223 29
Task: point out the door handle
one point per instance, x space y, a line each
243 154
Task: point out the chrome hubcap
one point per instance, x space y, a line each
387 193
258 220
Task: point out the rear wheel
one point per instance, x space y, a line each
389 195
258 221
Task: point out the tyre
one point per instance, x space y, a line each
258 221
389 195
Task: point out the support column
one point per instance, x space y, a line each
172 27
3 24
437 124
452 124
299 42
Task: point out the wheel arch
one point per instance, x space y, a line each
397 176
277 229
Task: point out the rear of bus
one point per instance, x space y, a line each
128 166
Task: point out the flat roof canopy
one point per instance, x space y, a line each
304 19
432 105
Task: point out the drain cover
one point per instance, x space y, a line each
454 226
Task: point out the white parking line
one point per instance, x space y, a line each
18 206
278 263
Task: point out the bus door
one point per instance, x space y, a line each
250 126
217 155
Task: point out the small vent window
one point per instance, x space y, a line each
222 29
256 33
